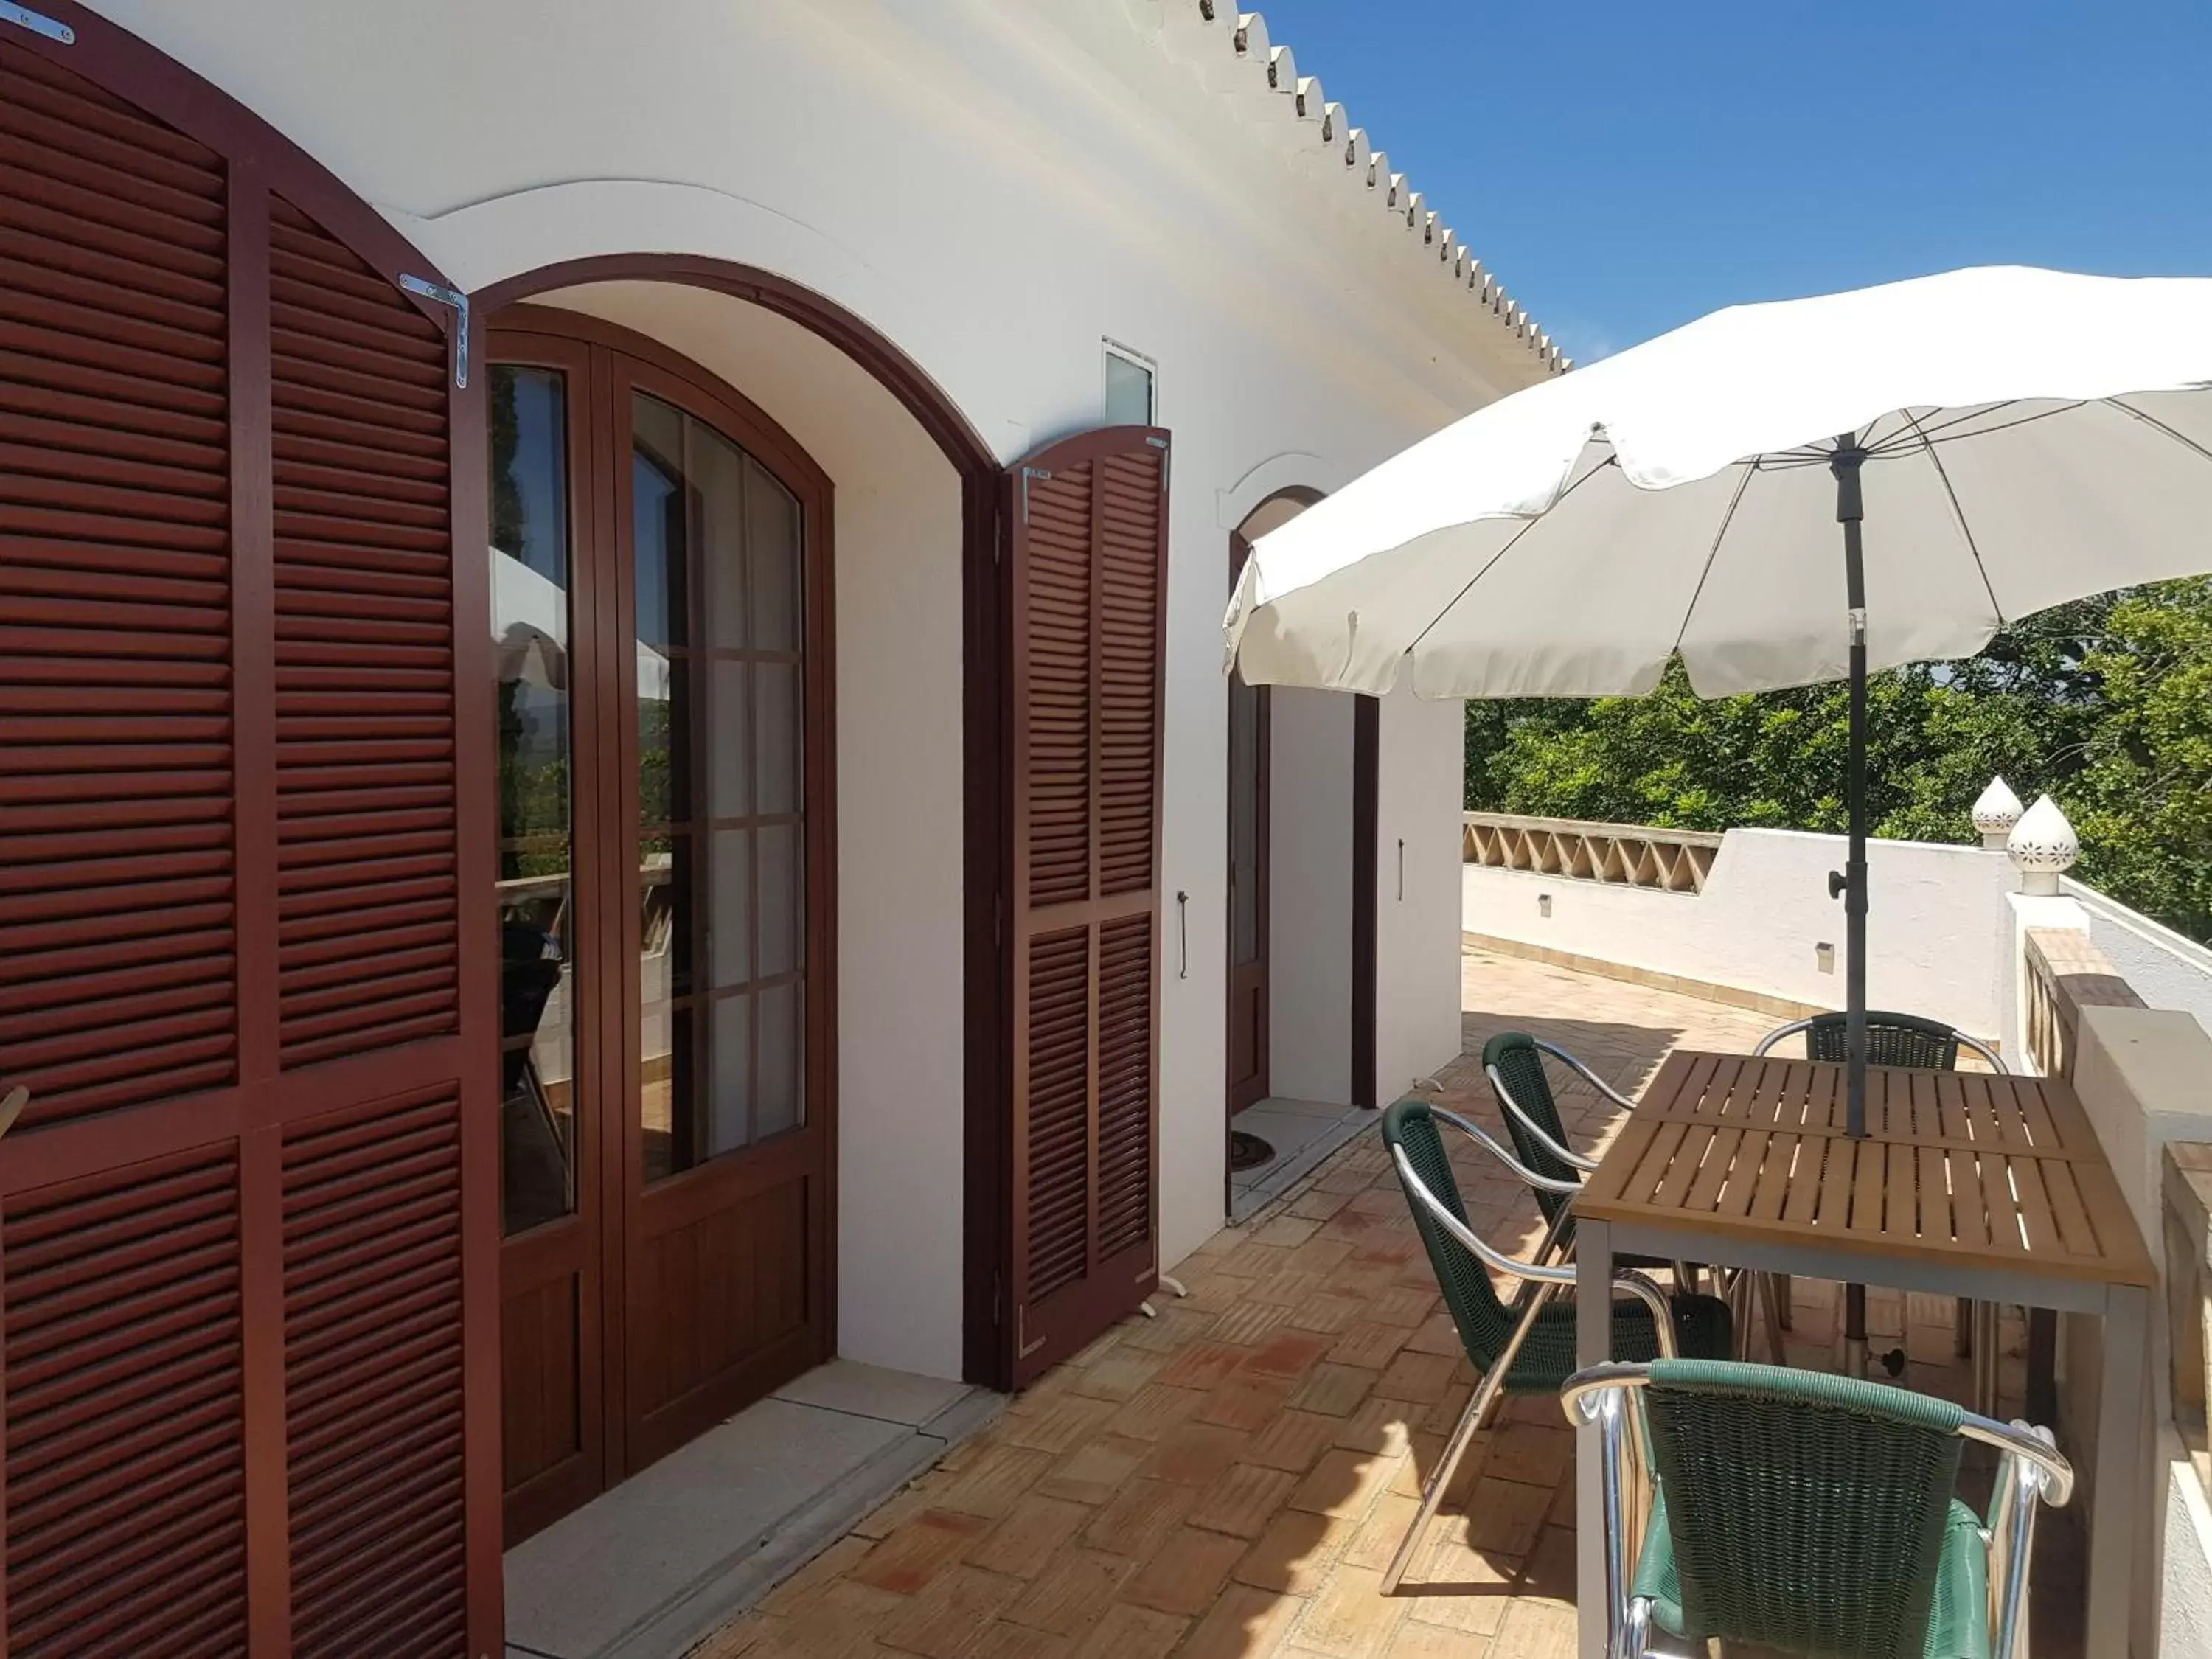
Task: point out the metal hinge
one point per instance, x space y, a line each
443 296
1027 473
39 23
1024 1349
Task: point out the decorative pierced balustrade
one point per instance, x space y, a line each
1619 854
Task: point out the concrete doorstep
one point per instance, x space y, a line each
652 1567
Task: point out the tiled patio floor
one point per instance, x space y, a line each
1228 1480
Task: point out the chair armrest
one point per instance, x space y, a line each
1483 1137
1565 1155
1588 1075
2030 1473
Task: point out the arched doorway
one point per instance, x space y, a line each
660 579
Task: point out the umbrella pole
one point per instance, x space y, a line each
1846 463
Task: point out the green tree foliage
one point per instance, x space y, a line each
2105 703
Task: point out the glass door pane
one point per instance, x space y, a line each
529 576
721 790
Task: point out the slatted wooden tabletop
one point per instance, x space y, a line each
1998 1172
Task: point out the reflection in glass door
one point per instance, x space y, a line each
529 606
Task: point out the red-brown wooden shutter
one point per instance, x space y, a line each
1088 552
247 1322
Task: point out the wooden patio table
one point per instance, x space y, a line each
1965 1184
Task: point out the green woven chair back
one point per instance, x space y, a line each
1806 1512
1485 1322
1892 1040
1520 1065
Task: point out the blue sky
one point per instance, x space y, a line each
1625 167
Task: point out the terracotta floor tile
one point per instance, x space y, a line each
1326 1315
1288 1354
1246 1322
1244 1623
1379 1425
1291 1441
1185 1573
1522 1451
1142 1515
795 1593
1344 1482
1287 1288
1549 1574
1154 1410
896 1510
1333 1390
1035 1530
1287 1230
1371 1344
1248 1402
905 1562
1506 1515
1423 1376
1253 1260
1069 1596
1070 1420
1317 1204
1376 1539
1417 1641
1295 1554
1319 1254
1204 1365
1215 1293
944 1621
1179 1326
1535 1630
1004 1641
1133 1632
1119 1375
995 1483
1243 1501
1197 1453
1092 1474
1351 1617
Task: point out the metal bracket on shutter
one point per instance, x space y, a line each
459 301
12 1105
1040 473
39 23
1022 1330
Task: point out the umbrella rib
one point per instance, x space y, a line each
2149 419
1414 644
1958 513
1743 484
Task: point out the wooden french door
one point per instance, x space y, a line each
659 572
1249 790
1089 519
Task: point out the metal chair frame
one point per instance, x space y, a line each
2030 1471
1542 1278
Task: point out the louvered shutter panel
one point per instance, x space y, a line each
237 1352
1088 569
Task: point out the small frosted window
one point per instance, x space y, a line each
1128 391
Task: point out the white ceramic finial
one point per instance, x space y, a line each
2042 845
1995 813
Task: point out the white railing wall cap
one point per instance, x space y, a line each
1995 813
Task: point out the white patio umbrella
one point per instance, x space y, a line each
2009 438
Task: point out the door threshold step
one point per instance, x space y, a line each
651 1568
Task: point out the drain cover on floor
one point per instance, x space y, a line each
1248 1151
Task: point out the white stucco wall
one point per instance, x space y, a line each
1934 923
995 185
1420 768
